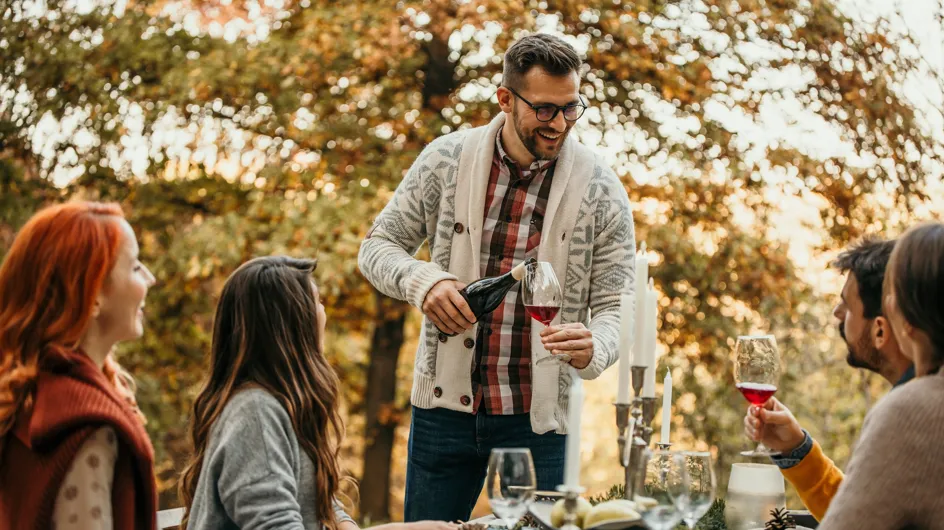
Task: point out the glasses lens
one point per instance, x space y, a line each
573 112
546 113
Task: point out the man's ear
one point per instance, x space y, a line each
506 100
882 334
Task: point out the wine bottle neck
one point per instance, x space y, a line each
518 272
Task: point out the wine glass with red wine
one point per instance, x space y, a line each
541 294
757 374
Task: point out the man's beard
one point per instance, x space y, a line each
530 141
863 353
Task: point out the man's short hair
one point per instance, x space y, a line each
551 53
867 260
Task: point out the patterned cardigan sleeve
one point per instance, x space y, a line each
613 250
386 254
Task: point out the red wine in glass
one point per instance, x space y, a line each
757 374
543 313
757 393
541 292
542 298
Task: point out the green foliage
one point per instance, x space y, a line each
714 518
616 491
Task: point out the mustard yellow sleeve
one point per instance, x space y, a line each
816 479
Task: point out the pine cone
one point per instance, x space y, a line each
781 520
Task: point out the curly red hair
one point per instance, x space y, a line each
49 281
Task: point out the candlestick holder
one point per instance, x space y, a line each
622 431
571 493
648 414
632 432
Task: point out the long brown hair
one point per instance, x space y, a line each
917 281
58 263
265 334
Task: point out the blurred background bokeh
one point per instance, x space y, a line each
755 139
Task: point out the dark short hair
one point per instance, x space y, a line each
916 276
867 260
551 53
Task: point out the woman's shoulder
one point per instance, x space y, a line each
252 409
250 399
915 401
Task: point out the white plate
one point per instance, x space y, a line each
541 510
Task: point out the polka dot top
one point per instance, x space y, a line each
84 500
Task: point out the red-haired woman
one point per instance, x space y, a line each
73 449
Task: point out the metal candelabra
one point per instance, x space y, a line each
634 423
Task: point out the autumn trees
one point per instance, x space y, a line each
289 134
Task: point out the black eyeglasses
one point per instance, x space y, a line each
546 113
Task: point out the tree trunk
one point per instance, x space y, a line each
383 414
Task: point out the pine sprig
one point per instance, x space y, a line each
714 517
618 491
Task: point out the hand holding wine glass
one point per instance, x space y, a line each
757 374
773 425
510 484
542 297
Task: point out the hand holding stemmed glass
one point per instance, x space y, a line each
757 374
542 297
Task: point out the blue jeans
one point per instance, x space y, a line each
448 459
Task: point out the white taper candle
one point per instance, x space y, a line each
649 353
627 308
666 406
572 447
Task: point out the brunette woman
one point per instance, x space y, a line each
265 428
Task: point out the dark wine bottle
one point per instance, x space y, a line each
486 294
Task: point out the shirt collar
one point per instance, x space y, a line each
907 376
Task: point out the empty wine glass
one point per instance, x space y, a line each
510 484
701 486
542 297
757 374
664 490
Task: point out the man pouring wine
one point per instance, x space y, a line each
487 199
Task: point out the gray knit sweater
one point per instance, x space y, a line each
255 475
587 236
896 474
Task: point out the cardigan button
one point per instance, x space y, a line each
465 400
443 337
458 228
437 392
469 343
